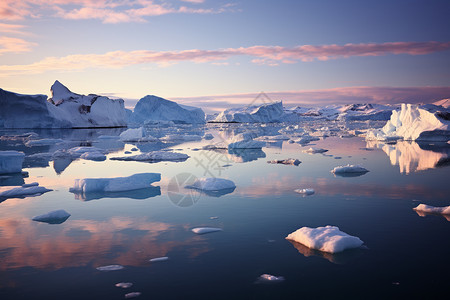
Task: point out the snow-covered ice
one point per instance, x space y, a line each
444 210
96 156
124 285
204 230
154 156
157 259
20 192
287 161
110 268
212 184
307 191
349 169
267 278
11 161
117 184
53 217
314 150
264 113
327 239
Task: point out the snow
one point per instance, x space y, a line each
327 239
124 285
110 268
153 108
265 113
154 156
204 230
306 192
288 161
267 278
244 141
23 191
445 210
212 184
64 110
136 135
157 259
349 169
314 150
53 217
117 184
11 161
412 122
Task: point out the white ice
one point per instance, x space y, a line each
288 161
212 184
132 295
267 278
124 285
349 169
55 216
23 191
327 239
117 184
444 210
136 135
110 268
305 191
157 259
204 230
181 137
43 142
154 156
313 150
272 112
244 141
11 161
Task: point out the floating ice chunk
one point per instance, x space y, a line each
157 259
154 156
118 184
110 268
132 295
212 184
307 139
313 150
306 192
444 210
288 161
349 169
11 161
78 151
267 278
280 137
208 136
43 142
19 192
136 135
53 217
181 137
245 141
96 156
327 239
124 285
204 230
30 184
271 112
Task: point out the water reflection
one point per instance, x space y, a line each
11 180
336 258
424 214
139 194
245 155
414 157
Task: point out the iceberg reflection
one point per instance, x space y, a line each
139 194
336 258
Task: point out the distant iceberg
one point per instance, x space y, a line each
445 210
154 156
11 161
117 184
205 230
306 192
265 113
267 278
136 135
314 150
53 217
349 170
152 108
327 239
287 161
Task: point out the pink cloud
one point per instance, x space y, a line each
271 55
14 45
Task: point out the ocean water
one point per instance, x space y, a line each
405 255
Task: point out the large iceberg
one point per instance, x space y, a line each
425 123
265 113
63 110
153 108
327 239
118 184
11 161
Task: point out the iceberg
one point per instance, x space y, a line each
124 285
415 123
136 135
349 169
245 141
53 217
265 113
11 161
152 108
212 184
24 191
306 192
204 230
154 156
314 150
327 239
157 259
288 161
445 210
267 278
117 184
63 110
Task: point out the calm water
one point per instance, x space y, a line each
404 254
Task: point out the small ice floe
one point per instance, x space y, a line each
349 170
307 139
95 156
154 156
157 259
110 268
267 278
124 285
43 142
204 230
23 191
136 135
314 150
213 218
181 137
423 210
53 217
327 239
212 184
132 295
11 161
305 192
287 161
117 184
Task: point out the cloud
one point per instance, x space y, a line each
272 55
14 45
12 29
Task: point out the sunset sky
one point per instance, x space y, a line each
217 54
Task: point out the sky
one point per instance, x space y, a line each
223 53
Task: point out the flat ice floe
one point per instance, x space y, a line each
306 192
117 184
212 184
154 156
124 285
157 259
43 142
24 191
444 210
110 268
349 170
314 150
53 217
11 161
327 239
204 230
288 161
132 295
267 278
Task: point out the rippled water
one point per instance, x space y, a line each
404 254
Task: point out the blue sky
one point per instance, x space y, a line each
223 53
